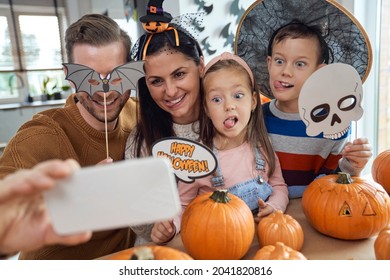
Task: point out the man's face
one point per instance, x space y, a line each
103 60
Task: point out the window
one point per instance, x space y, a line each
31 52
366 12
384 80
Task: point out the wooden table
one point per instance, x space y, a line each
316 246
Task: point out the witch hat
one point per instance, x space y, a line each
346 38
155 12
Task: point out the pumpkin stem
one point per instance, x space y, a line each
279 215
280 250
344 178
220 196
142 253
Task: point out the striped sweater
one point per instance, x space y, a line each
302 157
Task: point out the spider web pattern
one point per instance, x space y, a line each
192 23
347 41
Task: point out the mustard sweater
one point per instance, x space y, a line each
62 133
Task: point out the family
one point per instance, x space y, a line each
259 147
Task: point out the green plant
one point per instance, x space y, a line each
48 85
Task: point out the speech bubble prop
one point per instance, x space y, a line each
330 100
189 159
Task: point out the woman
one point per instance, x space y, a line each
169 99
169 95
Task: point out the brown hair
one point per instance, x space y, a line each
295 30
256 134
95 30
155 123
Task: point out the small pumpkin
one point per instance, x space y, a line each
380 170
149 252
280 227
155 26
279 251
217 226
382 245
347 208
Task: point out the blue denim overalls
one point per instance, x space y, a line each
249 191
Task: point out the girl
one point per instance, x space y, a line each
232 126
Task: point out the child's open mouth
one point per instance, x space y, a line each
286 85
230 122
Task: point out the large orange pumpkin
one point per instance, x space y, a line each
347 208
217 226
280 227
382 245
381 170
279 251
149 252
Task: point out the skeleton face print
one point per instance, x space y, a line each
330 100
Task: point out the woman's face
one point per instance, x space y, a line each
173 80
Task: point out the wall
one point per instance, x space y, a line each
230 11
220 22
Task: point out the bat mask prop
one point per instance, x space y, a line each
121 79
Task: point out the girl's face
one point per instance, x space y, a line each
229 102
291 63
174 84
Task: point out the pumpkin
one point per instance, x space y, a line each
155 26
279 251
382 245
216 226
280 227
380 170
345 208
149 252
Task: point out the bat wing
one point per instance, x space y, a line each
80 76
128 74
225 31
191 22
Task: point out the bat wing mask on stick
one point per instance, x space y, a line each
121 78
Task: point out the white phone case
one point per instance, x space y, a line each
124 193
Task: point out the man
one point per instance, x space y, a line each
78 130
24 221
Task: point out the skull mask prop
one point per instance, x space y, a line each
330 100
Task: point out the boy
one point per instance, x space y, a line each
296 50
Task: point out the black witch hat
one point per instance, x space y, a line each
344 35
155 12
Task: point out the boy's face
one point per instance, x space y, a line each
291 63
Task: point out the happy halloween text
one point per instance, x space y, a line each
178 163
